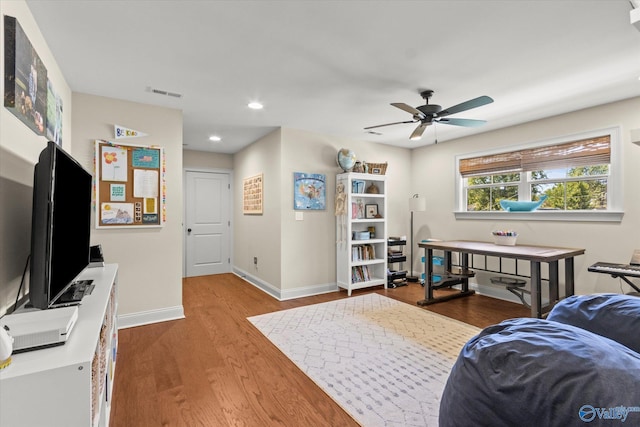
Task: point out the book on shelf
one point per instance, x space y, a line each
363 253
360 273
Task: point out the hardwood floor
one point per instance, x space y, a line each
214 369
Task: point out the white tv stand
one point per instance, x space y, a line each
69 385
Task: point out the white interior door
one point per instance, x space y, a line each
207 224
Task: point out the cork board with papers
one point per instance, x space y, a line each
129 185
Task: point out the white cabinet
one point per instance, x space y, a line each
71 384
361 233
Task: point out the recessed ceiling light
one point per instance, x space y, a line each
215 138
255 105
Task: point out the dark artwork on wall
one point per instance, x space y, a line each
25 78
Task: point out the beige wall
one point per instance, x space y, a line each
258 235
433 175
300 255
150 259
19 150
206 161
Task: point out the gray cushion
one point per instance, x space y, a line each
535 372
613 316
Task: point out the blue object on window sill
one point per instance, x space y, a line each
520 206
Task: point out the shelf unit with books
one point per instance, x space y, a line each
361 242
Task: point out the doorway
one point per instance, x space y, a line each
207 224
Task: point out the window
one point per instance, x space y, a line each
580 173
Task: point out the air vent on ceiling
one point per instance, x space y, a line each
164 92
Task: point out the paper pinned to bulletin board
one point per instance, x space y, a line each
129 185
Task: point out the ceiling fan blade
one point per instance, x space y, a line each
467 105
417 133
389 124
471 123
408 109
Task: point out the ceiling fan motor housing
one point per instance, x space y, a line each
430 109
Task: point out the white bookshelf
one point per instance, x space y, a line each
354 271
68 385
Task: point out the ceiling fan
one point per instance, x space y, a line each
433 113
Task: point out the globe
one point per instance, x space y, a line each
346 159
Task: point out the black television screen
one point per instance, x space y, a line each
60 225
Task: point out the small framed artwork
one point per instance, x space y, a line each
371 211
309 191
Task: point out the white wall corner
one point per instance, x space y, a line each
635 133
258 283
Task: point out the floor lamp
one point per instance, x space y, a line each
416 204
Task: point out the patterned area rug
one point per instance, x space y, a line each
383 361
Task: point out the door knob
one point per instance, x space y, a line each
188 230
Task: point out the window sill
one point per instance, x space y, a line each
543 215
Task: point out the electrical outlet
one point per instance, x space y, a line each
255 260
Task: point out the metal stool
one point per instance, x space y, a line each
515 286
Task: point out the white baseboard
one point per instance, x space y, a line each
151 316
287 294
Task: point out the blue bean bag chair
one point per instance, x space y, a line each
613 316
536 372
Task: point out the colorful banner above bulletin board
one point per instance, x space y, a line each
129 185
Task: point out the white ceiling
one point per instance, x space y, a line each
333 67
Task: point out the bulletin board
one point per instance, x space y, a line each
129 185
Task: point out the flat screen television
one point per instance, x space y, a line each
60 225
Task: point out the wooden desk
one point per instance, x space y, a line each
534 254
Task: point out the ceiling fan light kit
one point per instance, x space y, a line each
429 114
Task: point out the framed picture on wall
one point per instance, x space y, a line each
252 195
309 191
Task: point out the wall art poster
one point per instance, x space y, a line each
309 191
25 78
114 164
116 213
252 195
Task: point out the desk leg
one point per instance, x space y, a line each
536 287
429 285
465 266
553 283
428 274
569 277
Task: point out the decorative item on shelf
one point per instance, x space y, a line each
372 232
377 168
371 211
522 206
361 235
416 204
357 186
346 159
358 167
372 189
504 237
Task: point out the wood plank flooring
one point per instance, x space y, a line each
214 369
